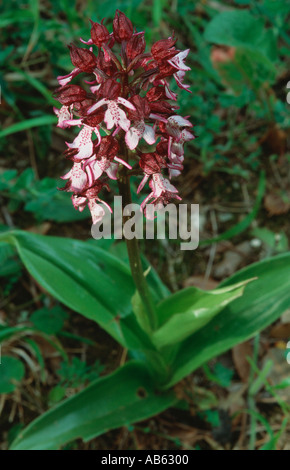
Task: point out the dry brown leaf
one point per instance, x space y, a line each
41 229
276 204
280 331
201 282
276 140
240 353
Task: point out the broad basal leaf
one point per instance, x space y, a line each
190 309
263 301
119 399
86 279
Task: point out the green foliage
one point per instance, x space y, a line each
124 397
41 197
12 372
239 28
229 100
242 318
185 345
49 321
78 372
100 288
189 310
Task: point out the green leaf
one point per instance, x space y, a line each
56 394
140 312
11 371
86 279
48 203
188 310
50 321
7 332
6 177
28 124
263 301
122 398
8 264
238 28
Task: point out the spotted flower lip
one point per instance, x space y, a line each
83 143
77 177
124 110
114 115
162 193
178 60
64 114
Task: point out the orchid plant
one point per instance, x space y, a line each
129 125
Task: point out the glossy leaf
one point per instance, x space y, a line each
264 300
86 279
122 398
190 309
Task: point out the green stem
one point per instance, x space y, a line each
134 255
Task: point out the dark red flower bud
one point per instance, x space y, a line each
162 107
94 190
156 93
110 89
165 70
151 163
107 66
162 148
122 27
108 147
136 45
82 58
82 107
142 107
70 94
94 119
164 49
99 33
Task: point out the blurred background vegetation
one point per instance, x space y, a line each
237 170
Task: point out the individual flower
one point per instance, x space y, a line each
99 33
162 193
105 159
138 128
77 177
64 114
122 27
114 115
91 198
83 143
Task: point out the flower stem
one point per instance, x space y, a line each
134 252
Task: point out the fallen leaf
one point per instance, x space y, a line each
280 331
277 203
201 282
239 354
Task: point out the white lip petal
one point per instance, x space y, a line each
97 105
132 138
149 134
177 61
126 103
